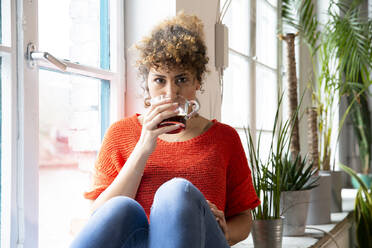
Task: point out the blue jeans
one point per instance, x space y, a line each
180 217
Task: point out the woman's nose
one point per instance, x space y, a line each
172 90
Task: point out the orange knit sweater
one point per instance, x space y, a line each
214 162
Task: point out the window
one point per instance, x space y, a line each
5 117
74 112
251 81
52 120
5 132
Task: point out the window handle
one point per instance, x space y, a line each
33 55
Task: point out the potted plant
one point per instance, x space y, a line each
340 51
301 16
345 56
297 179
267 228
363 211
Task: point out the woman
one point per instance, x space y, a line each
156 189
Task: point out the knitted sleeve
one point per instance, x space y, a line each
108 164
241 195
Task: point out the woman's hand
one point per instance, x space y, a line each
157 112
220 217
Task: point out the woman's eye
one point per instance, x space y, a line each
159 80
181 80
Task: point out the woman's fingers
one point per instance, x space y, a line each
218 213
166 129
158 113
153 106
153 123
159 109
220 217
211 205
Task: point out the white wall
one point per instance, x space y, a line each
211 98
136 26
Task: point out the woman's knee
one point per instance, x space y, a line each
177 191
113 224
121 208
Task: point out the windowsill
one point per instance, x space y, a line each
340 226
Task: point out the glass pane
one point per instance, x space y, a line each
243 139
69 137
235 104
5 147
266 34
266 98
5 33
237 21
265 144
70 30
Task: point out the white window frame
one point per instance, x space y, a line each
9 141
20 201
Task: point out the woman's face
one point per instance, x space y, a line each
172 83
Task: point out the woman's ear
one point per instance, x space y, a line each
198 85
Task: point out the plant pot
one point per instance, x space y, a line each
320 201
337 183
267 233
366 178
294 206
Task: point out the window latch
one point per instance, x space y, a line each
32 56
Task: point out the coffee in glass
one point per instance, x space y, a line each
186 110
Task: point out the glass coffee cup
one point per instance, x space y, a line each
186 110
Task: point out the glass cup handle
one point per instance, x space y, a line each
195 108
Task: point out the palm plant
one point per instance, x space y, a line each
304 19
289 38
326 101
363 211
344 52
350 37
301 16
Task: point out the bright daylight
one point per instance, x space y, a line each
185 123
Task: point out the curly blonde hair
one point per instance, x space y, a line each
175 43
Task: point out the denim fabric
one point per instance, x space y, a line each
180 218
